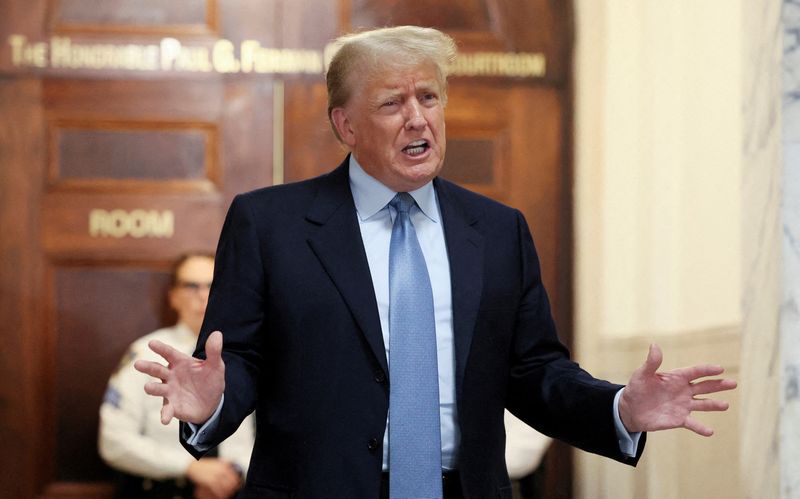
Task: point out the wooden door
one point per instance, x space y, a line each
128 125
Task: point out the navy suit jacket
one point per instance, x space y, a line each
293 296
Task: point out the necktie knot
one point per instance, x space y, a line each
402 202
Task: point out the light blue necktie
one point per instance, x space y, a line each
415 459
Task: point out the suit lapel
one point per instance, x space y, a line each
339 248
465 246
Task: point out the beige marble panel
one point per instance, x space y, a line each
677 464
658 221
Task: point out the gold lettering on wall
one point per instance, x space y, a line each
525 65
27 54
135 223
260 59
65 54
224 56
178 57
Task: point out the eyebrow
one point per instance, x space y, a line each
425 86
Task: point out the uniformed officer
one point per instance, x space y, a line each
148 456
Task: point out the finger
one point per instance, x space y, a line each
700 371
156 389
654 359
229 480
213 348
157 370
712 386
708 405
167 412
170 354
205 493
154 369
218 488
697 427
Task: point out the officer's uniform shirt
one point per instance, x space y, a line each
131 436
525 447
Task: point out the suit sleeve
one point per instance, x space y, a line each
236 307
547 390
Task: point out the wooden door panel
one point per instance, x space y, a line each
478 139
21 285
128 150
466 15
138 172
310 148
189 16
128 226
167 100
247 135
259 20
98 310
508 144
541 187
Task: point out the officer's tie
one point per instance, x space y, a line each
415 460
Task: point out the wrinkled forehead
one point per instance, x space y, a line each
393 77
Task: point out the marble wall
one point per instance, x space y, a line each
790 211
760 440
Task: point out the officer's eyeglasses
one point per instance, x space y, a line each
193 286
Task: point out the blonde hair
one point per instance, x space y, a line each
366 54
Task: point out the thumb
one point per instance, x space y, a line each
167 412
654 358
214 347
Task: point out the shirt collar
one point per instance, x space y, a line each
371 196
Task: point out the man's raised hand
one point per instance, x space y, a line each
191 388
662 400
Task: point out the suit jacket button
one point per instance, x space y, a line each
380 376
373 444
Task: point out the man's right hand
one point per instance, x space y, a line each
191 388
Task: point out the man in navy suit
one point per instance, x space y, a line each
302 293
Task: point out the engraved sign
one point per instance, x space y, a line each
224 56
135 223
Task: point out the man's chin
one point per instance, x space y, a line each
412 183
422 168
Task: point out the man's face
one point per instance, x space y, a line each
189 296
394 124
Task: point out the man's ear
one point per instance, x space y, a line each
342 124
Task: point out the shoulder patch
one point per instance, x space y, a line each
112 397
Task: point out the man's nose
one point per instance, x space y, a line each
414 117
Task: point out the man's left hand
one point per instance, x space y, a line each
662 400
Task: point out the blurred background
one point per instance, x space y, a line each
651 145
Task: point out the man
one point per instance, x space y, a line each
352 302
150 461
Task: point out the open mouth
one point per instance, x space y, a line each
416 148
